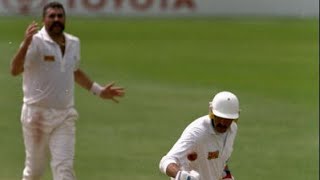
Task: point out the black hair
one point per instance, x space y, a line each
52 5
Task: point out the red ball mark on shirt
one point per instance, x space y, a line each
192 156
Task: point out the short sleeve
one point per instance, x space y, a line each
31 53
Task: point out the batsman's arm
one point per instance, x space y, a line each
171 162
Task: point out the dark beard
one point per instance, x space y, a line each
221 126
56 24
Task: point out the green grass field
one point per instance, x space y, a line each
171 68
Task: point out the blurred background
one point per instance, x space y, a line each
172 56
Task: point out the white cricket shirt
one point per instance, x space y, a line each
213 149
48 78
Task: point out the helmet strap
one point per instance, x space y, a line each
211 115
212 123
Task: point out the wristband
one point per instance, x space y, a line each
96 89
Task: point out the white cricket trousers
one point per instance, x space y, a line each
46 132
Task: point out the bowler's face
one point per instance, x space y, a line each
54 21
221 125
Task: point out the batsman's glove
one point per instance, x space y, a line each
187 175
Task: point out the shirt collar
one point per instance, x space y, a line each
43 32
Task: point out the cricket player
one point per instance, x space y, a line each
49 62
206 144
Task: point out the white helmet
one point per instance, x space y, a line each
225 105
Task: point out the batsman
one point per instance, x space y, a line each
202 151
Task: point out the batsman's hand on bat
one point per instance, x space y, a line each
227 176
187 175
111 92
231 178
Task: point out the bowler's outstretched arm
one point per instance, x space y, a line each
108 91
